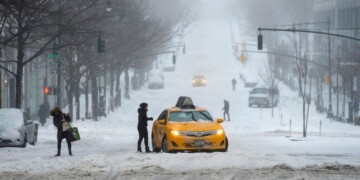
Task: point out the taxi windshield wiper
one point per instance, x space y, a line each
208 118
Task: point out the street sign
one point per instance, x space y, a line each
53 55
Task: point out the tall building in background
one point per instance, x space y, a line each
344 18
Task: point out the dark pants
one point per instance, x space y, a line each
143 134
228 115
42 121
61 136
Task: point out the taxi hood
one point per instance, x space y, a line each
194 126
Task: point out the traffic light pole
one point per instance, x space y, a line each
330 113
59 90
260 44
289 56
308 31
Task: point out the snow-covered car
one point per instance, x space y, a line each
250 81
198 80
16 129
264 97
156 79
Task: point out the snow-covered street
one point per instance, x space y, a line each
261 147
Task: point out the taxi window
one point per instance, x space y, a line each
190 116
163 115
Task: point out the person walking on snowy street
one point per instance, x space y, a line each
61 121
226 109
142 126
234 84
43 112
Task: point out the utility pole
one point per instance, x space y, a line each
330 114
59 90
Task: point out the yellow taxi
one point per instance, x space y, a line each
188 128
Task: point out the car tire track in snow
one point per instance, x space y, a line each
114 171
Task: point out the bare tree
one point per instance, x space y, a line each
33 25
269 78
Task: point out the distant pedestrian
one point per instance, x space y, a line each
43 112
234 82
142 126
61 122
226 109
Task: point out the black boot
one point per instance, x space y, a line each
147 150
58 154
70 153
139 150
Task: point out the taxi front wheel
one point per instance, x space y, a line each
155 149
165 145
226 145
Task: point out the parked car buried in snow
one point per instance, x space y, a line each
16 129
155 79
188 128
264 97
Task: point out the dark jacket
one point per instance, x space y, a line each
58 116
44 111
226 106
142 118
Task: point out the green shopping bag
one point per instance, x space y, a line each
75 135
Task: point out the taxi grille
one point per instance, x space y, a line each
198 134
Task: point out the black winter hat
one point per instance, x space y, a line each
143 105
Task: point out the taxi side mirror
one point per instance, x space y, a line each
162 121
219 120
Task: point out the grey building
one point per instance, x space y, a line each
344 18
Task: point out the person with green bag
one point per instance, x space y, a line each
62 123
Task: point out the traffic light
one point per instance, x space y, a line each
326 79
260 42
100 45
46 90
50 90
174 59
242 58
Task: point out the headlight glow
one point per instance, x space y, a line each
175 132
220 132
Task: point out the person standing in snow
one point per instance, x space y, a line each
226 109
234 84
43 112
142 126
59 118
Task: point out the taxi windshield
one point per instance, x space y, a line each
190 116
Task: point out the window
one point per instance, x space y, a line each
163 115
190 116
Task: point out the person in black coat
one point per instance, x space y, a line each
43 112
142 126
58 119
234 82
226 109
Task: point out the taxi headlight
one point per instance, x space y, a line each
220 132
204 81
175 132
193 81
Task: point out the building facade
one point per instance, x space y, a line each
340 17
